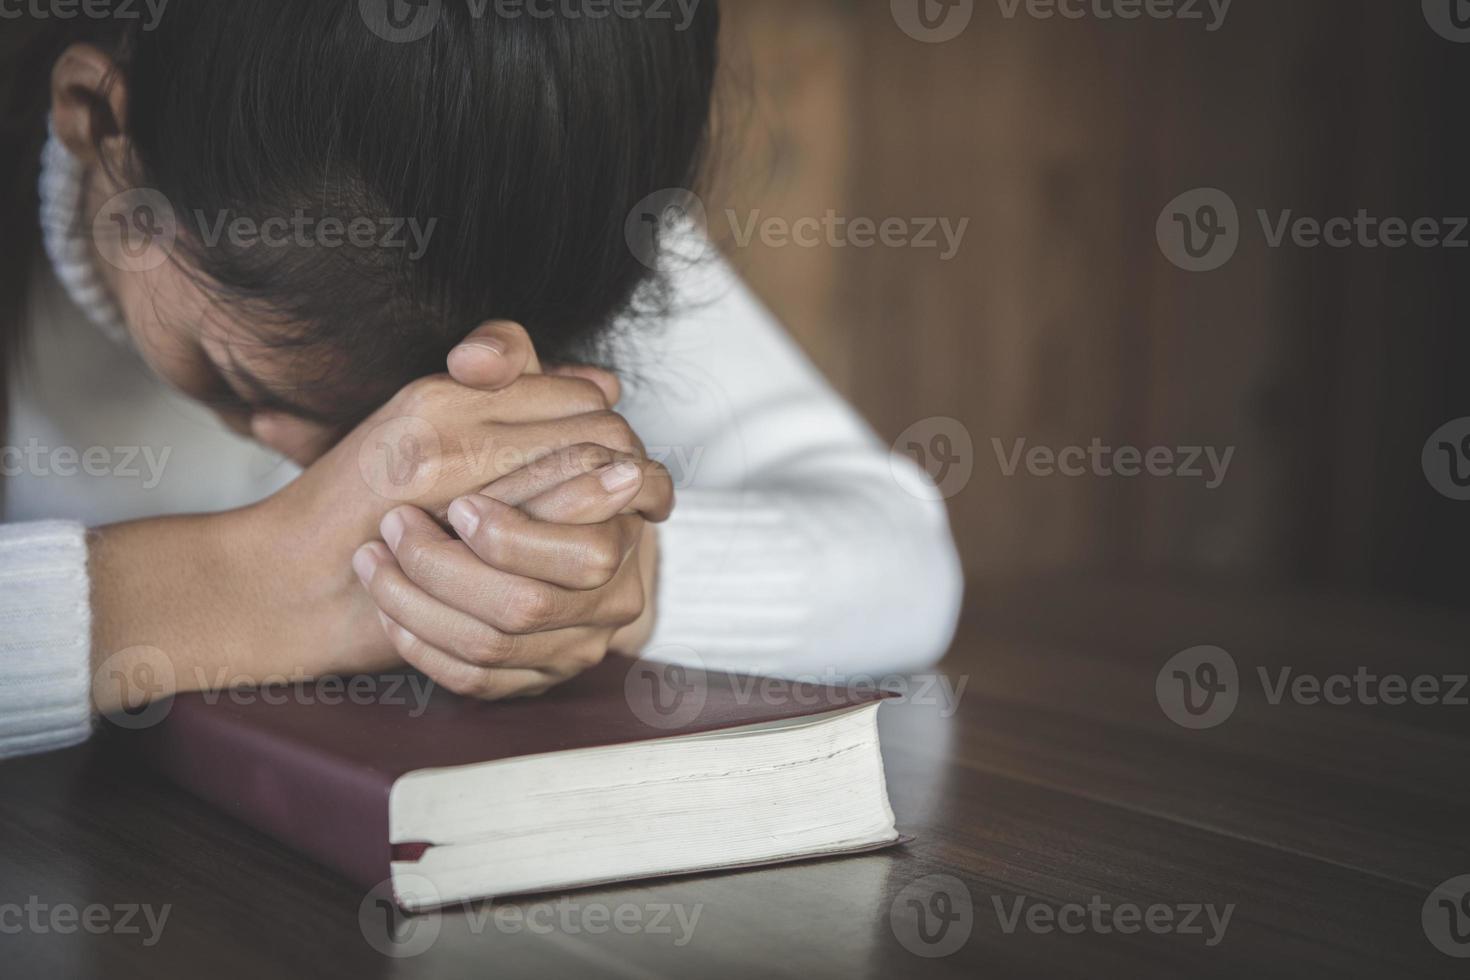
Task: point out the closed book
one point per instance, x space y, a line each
633 770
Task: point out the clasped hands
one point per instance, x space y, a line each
499 526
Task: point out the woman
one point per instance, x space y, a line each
272 225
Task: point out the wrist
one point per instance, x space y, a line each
302 560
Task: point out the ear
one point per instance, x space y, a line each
88 103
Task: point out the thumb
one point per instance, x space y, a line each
494 356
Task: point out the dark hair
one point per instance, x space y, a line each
527 140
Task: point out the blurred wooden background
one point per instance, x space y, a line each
1061 320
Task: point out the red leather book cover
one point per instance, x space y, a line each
317 775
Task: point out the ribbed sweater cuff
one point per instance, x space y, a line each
45 638
735 582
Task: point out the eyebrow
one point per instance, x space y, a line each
258 395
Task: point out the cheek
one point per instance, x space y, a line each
162 309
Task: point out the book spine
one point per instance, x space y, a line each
328 809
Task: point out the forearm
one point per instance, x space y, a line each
217 601
805 574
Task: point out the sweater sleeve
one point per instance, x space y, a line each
45 638
800 546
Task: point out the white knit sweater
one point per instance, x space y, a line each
799 547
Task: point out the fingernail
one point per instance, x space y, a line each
365 563
464 517
490 344
483 353
619 477
392 529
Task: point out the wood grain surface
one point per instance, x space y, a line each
1042 774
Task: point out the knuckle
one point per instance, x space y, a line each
491 687
588 396
575 461
419 560
466 685
549 466
493 649
530 609
658 479
592 655
431 567
588 456
494 542
392 594
522 691
420 396
625 605
615 432
637 601
509 330
538 456
600 562
577 659
484 688
411 647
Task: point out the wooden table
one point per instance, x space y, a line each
1058 789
